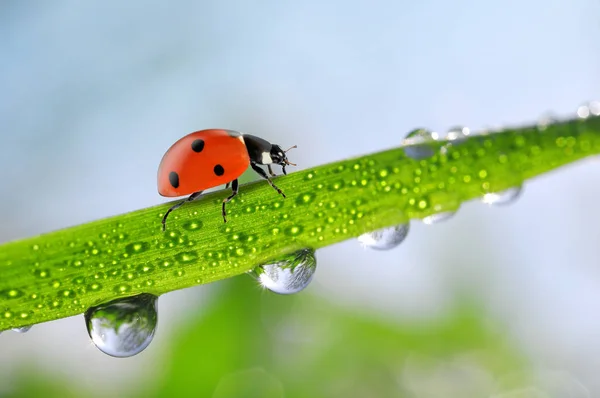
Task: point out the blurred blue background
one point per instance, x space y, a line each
93 93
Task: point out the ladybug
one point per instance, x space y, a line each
208 158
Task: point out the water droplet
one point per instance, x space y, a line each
305 198
293 231
145 268
122 288
458 134
503 197
179 272
289 274
590 109
192 225
11 293
438 217
187 257
123 327
42 273
136 247
385 238
546 120
22 329
416 144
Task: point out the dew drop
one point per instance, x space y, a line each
438 217
192 225
122 288
146 268
293 230
385 238
11 293
187 257
416 144
590 109
179 272
22 329
136 247
305 198
503 197
289 274
546 120
594 108
95 286
458 134
123 327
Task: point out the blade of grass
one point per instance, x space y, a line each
62 273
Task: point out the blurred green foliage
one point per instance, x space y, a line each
253 343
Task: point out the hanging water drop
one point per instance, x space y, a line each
22 329
416 144
385 238
289 274
505 197
438 217
123 327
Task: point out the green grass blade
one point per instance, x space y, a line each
63 273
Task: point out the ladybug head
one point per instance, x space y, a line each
278 156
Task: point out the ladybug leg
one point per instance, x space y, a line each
264 175
234 188
175 206
227 185
271 171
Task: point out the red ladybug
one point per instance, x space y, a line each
208 158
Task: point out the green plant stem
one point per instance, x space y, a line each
65 272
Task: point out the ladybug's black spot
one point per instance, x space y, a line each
174 179
219 170
198 145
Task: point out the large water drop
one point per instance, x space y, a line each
503 197
438 217
123 327
385 238
289 274
416 144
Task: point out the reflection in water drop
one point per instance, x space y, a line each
123 327
289 274
416 144
438 217
22 329
385 238
503 197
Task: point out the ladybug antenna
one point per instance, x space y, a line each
287 161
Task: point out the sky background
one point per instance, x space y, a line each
93 93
